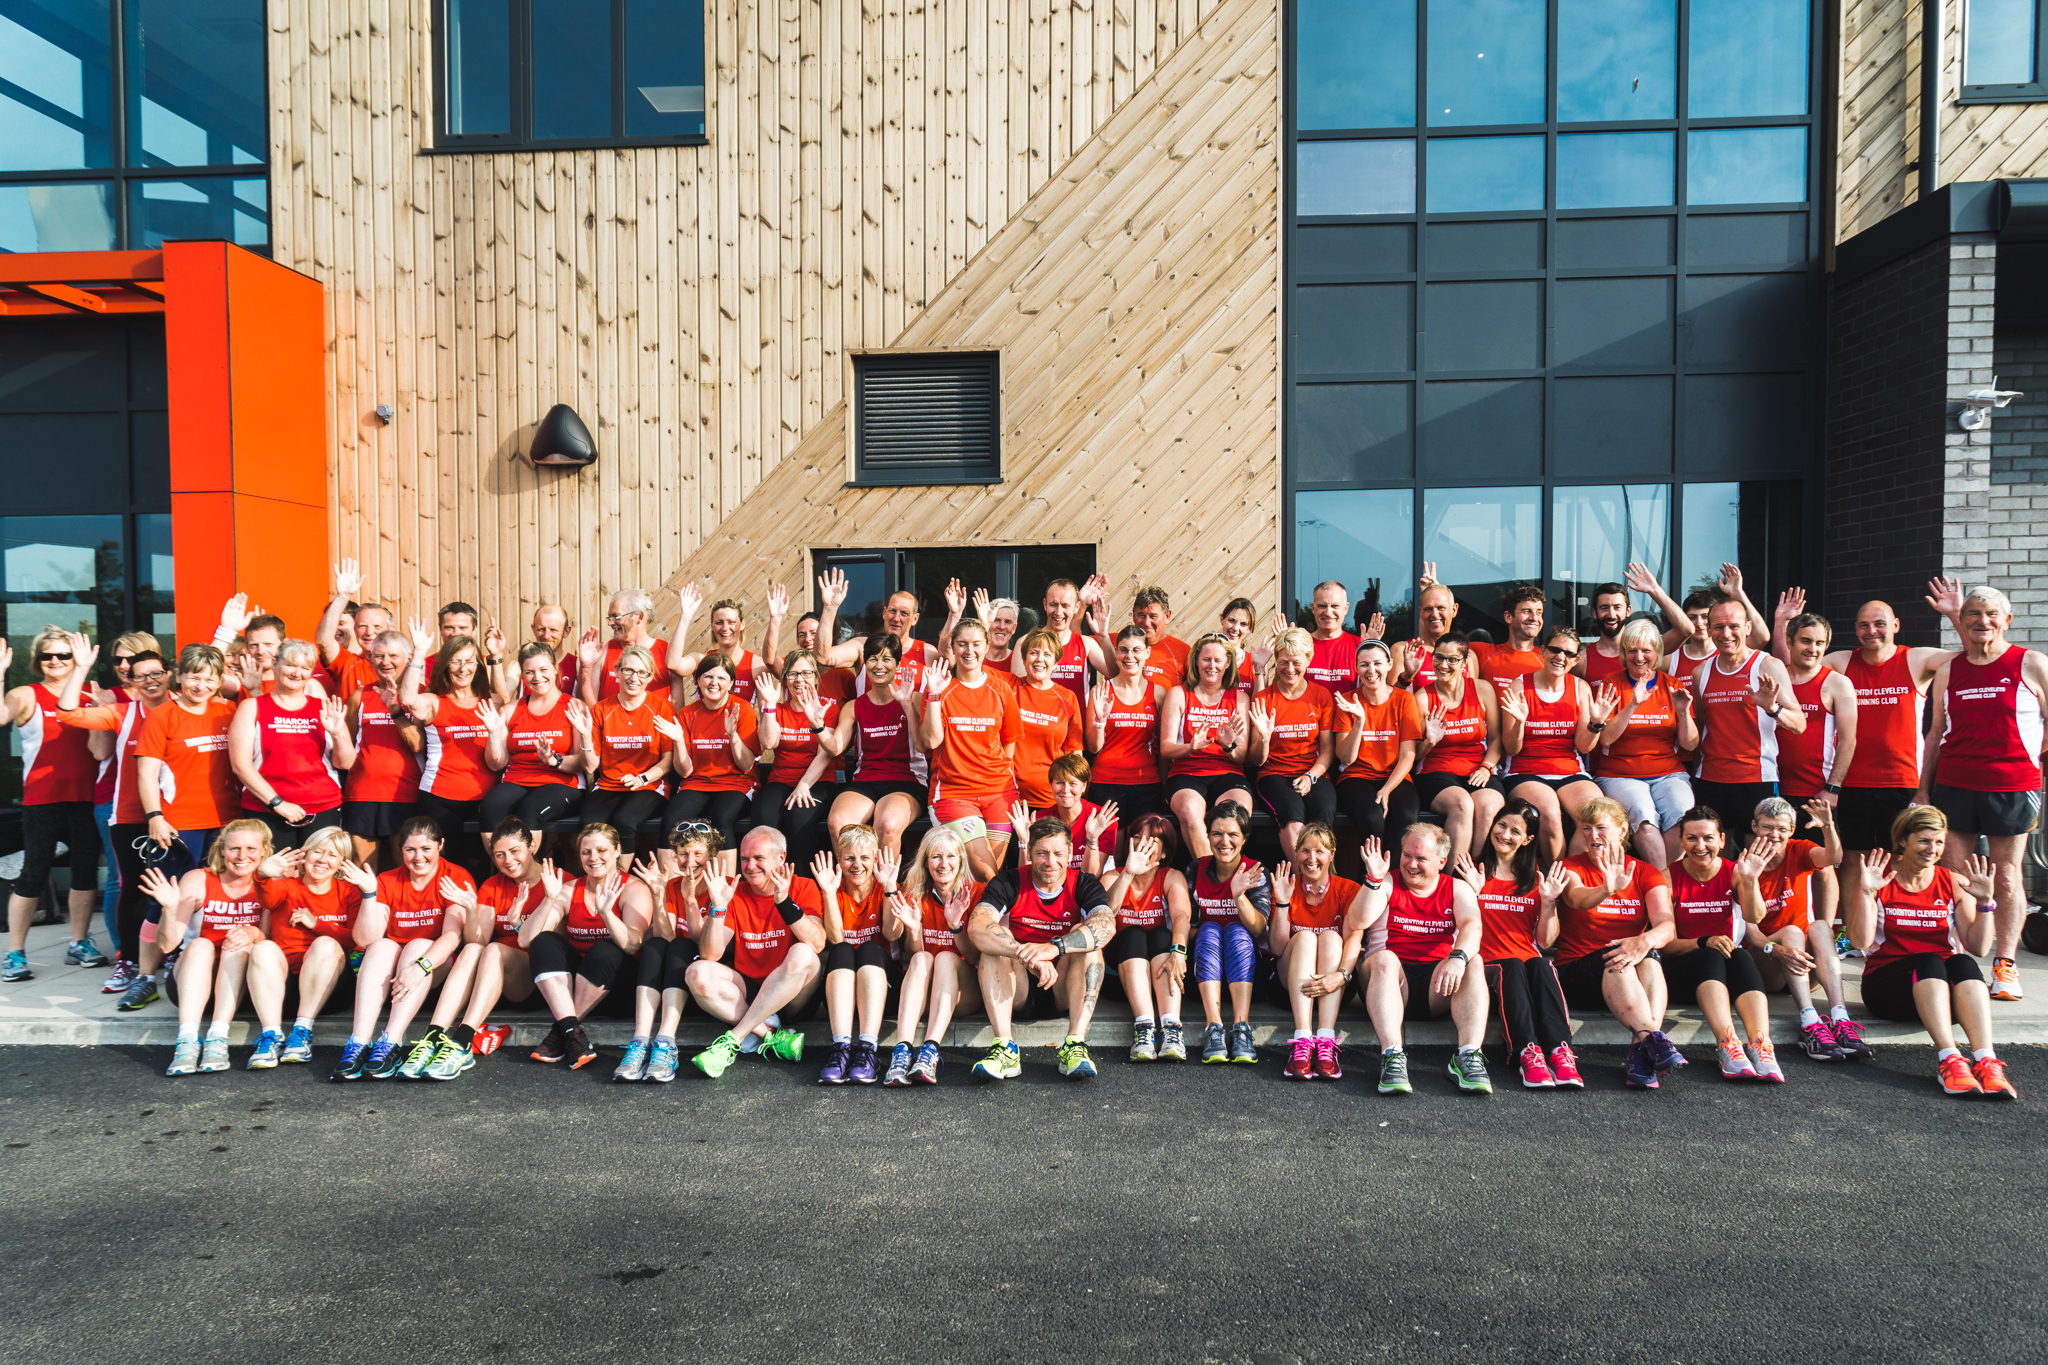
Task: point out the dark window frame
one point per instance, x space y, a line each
933 474
894 563
520 137
121 174
2032 92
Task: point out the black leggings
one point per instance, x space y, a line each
603 964
722 810
1888 990
663 962
806 830
625 812
1290 807
847 957
461 849
537 806
1685 973
1131 802
1531 1003
1134 944
130 909
1359 798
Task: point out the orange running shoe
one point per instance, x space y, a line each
1956 1079
1990 1074
2005 980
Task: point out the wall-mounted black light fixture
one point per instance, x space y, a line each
562 439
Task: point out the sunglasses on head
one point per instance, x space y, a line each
692 827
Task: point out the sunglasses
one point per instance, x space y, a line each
45 658
692 827
1561 652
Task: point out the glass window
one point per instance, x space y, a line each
572 69
155 580
1485 174
55 113
1748 58
1354 177
664 70
1486 60
1617 60
234 208
1483 541
1755 524
1595 533
1745 165
60 571
196 94
78 216
1364 539
1998 42
1354 64
1616 170
477 40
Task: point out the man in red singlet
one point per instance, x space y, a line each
348 667
1813 764
1425 968
1079 653
1522 608
1744 697
1602 659
772 921
630 614
899 619
1335 663
1985 773
1152 612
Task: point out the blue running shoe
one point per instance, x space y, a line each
1639 1072
266 1054
298 1045
16 968
387 1054
1664 1053
350 1067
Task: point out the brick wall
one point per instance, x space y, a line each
2017 502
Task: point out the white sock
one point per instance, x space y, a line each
842 1038
1463 1050
1142 1021
1300 1034
304 1021
869 1038
1808 1017
1386 1051
1839 1014
214 1031
1946 1053
1981 1053
1169 1019
189 1035
1329 1033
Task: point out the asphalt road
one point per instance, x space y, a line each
1171 1213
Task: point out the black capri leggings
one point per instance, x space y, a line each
846 957
130 909
1531 1003
43 827
722 810
1685 973
1290 807
1359 798
1137 945
537 806
1888 990
805 829
625 812
464 851
603 964
663 962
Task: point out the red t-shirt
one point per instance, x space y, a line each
608 681
1499 664
1622 915
1787 889
1387 727
1507 921
418 912
220 912
197 782
1915 921
1049 721
1327 914
979 726
524 733
711 746
1298 726
1168 664
760 937
627 742
796 746
508 903
334 914
1129 756
1703 909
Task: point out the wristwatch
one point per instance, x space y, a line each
1832 788
1460 954
273 803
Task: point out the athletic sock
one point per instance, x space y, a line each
216 1031
463 1035
750 1042
772 1022
384 1037
304 1021
1981 1053
1808 1017
846 1038
1302 1033
1947 1053
870 1039
188 1035
1463 1050
1142 1020
1839 1014
1166 1019
1329 1033
566 1024
1388 1051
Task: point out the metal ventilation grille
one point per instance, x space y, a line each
927 418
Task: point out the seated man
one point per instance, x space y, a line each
1425 970
773 922
1041 935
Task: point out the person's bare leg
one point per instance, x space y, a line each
1712 998
1656 991
999 990
1297 967
953 988
405 1007
319 972
1932 997
1386 998
1240 1002
455 986
227 988
1191 810
871 989
1627 1002
718 990
373 980
1468 1007
1755 1009
1082 973
265 977
1455 805
1329 952
1136 975
195 983
1165 993
789 983
81 905
839 1002
1970 1006
911 996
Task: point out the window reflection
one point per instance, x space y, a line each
1483 541
66 217
1595 534
196 93
1747 58
1616 170
213 206
54 80
477 39
1485 174
1361 177
1616 60
572 69
1745 166
156 602
1486 60
1354 64
1754 524
664 70
1998 42
1365 539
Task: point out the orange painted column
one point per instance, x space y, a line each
245 342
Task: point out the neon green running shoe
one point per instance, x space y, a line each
1468 1069
1002 1062
784 1044
1075 1063
451 1059
421 1055
723 1052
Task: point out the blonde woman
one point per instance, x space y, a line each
854 887
927 920
219 907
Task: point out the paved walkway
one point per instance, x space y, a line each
63 1006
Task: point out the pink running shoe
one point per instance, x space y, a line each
1301 1064
1564 1067
1535 1071
1329 1060
1735 1063
1765 1060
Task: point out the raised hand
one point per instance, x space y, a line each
958 902
1262 720
1248 875
1373 855
1978 871
1791 603
1349 704
590 649
778 601
1099 702
653 875
1681 692
551 879
334 716
348 578
719 888
1434 724
1752 864
1427 578
1100 821
580 719
1144 856
672 730
907 914
1821 810
956 597
422 636
778 882
358 876
1945 595
832 589
1469 872
1020 819
1092 590
494 642
1731 580
1606 701
732 720
160 888
1375 627
1640 579
454 893
1513 701
606 890
1613 864
767 692
84 652
236 613
1554 884
888 867
494 720
938 675
1765 693
825 872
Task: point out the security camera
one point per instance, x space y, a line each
1978 403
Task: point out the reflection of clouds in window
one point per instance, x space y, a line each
1711 526
179 190
55 218
160 572
171 138
674 99
1596 529
49 568
1483 535
42 68
254 192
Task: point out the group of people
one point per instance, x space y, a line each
1544 824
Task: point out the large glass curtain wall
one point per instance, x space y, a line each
127 123
1553 293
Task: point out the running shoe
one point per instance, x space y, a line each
1639 1072
929 1064
1468 1069
1241 1049
1394 1073
84 953
784 1044
451 1059
900 1058
2005 979
1819 1042
1844 949
1301 1060
661 1061
1075 1063
350 1067
141 991
1145 1041
552 1048
713 1060
1214 1048
1764 1058
1956 1077
1990 1074
1564 1068
123 977
1664 1052
214 1055
386 1056
1849 1037
298 1045
632 1066
1735 1063
420 1054
837 1064
862 1072
1001 1062
1329 1060
184 1058
1173 1047
577 1050
265 1056
15 968
1535 1071
168 974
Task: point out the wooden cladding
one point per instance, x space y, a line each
932 417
